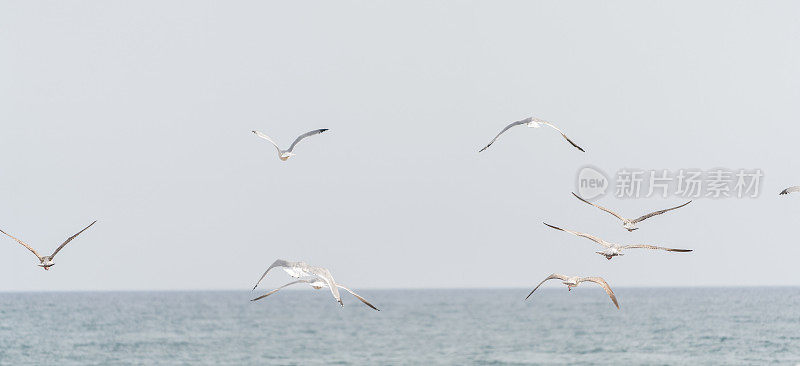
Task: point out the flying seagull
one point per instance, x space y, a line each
612 249
286 154
317 277
47 260
317 284
532 122
574 281
791 190
629 224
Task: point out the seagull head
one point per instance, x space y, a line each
629 226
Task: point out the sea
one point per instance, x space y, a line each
655 326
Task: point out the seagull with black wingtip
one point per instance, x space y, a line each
532 122
316 277
612 249
286 154
630 224
574 281
46 261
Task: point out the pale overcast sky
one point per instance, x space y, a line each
138 114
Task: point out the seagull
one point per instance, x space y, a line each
317 284
629 224
532 122
286 154
317 277
47 261
612 250
574 281
790 190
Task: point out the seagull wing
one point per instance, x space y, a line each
645 217
279 288
587 236
603 283
562 134
600 207
277 263
325 275
790 190
23 244
265 137
644 246
550 277
358 297
70 239
307 134
517 123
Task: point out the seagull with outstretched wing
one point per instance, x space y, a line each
286 154
574 281
316 277
790 190
532 122
630 224
612 249
302 269
46 261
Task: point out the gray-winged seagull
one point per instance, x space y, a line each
532 122
612 250
286 154
316 277
574 281
630 224
46 261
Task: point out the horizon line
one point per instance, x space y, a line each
392 289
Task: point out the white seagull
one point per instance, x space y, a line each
46 261
532 122
790 190
574 281
612 250
286 154
316 277
630 224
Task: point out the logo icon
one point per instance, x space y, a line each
592 183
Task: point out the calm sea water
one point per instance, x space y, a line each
492 327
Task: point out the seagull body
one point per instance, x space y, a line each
574 281
612 249
630 224
316 277
790 190
531 122
46 261
286 154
